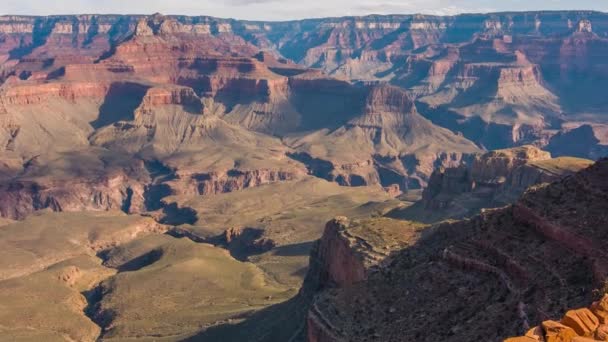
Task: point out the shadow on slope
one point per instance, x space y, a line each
120 103
280 322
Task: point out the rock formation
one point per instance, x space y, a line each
493 179
388 143
487 278
576 325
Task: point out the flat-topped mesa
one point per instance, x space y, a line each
519 76
106 71
313 80
234 77
499 74
204 62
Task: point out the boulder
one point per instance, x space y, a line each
601 333
600 309
557 332
536 334
583 321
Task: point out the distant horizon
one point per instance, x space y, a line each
301 19
292 10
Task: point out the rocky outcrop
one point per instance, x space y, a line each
347 253
234 180
494 167
351 249
112 192
576 325
503 272
494 179
340 265
244 242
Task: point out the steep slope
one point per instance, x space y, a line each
497 98
47 159
487 278
387 143
206 154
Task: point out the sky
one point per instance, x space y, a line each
288 9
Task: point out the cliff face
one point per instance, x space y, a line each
89 180
347 253
494 179
488 278
232 180
21 198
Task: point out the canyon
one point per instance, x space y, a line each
310 95
387 178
